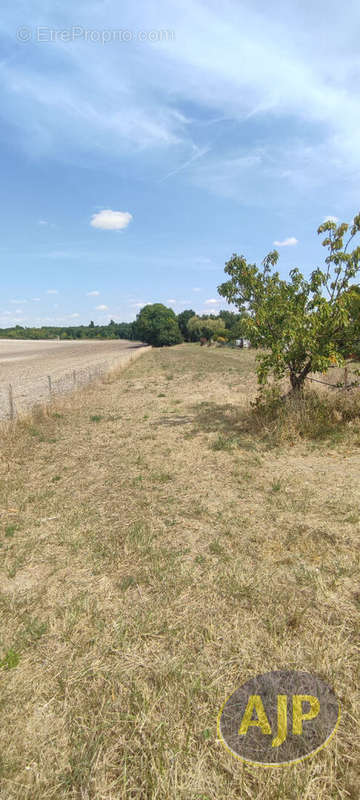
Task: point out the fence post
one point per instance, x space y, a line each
345 377
11 402
50 387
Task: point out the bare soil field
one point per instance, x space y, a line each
156 556
26 365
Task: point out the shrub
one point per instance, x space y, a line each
311 415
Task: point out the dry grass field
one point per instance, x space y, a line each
157 551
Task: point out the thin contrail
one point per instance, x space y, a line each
195 157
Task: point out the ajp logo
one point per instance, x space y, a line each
279 718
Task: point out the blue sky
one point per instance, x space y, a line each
143 143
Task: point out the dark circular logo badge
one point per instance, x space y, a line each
279 718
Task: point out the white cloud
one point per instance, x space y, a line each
290 242
109 220
43 222
171 300
74 315
212 302
331 219
196 289
102 308
17 302
92 294
36 299
52 291
18 311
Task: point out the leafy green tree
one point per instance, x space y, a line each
157 325
183 319
351 343
303 325
233 324
206 326
125 330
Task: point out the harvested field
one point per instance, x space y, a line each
27 365
155 557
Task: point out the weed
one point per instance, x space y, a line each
215 548
126 582
222 443
10 660
276 486
10 530
162 477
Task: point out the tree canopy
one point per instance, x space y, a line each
157 325
183 319
206 327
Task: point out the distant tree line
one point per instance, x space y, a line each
155 324
114 330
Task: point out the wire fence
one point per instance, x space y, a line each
19 396
343 385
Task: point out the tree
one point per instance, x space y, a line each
233 324
351 342
207 326
300 329
157 325
183 320
125 330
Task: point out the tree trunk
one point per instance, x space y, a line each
297 383
298 380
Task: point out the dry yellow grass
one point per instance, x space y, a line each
156 554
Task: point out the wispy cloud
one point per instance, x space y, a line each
109 220
95 293
61 254
211 302
101 308
97 101
52 291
